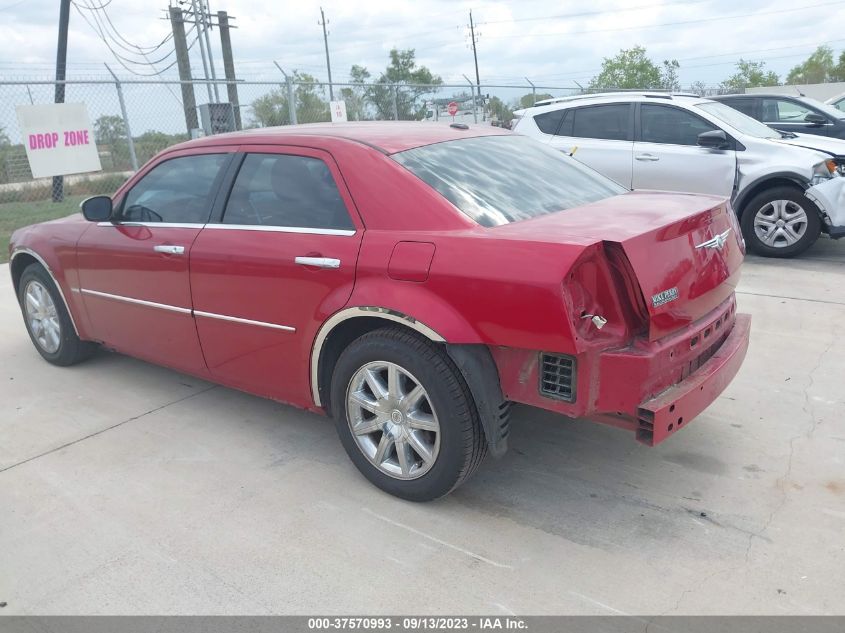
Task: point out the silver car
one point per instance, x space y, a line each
784 194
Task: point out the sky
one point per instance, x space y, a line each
550 43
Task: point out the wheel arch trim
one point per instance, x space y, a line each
27 251
386 314
773 179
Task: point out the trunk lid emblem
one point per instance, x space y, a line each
717 242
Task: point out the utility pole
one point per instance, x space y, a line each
61 72
183 62
206 20
474 55
323 23
202 49
229 65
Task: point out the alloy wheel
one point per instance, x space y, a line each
392 420
42 317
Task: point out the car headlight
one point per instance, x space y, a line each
823 170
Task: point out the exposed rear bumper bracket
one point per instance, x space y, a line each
663 415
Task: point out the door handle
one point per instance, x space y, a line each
647 157
169 249
318 262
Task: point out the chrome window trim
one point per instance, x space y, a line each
163 225
281 229
41 261
223 317
141 302
235 227
352 313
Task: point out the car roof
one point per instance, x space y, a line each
387 137
604 97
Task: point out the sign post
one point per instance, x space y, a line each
452 109
58 139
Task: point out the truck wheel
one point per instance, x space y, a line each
47 319
405 415
780 222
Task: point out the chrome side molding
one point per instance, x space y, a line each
189 311
223 317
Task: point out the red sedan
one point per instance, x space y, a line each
411 280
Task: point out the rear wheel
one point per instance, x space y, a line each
780 222
405 415
47 319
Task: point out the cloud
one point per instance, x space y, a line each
512 43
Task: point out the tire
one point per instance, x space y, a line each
455 450
47 320
772 219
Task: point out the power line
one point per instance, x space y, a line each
651 26
593 13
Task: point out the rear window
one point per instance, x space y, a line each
501 179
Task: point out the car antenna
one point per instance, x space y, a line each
800 94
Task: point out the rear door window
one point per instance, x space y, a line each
549 122
611 122
784 111
284 190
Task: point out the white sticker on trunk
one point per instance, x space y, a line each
664 297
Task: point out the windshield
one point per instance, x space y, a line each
737 120
501 179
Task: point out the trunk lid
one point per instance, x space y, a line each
685 250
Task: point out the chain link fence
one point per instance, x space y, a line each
135 119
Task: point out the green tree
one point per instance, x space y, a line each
699 88
355 96
750 75
110 135
311 105
816 69
669 75
838 73
632 69
526 101
499 110
410 84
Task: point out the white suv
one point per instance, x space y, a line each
784 194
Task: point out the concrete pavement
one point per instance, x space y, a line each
130 489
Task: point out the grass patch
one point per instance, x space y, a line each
14 215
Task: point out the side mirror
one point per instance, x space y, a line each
815 118
96 208
714 139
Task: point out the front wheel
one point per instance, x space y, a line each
780 222
405 415
47 320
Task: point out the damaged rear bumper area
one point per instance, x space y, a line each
829 196
664 414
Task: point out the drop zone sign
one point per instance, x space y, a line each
58 139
